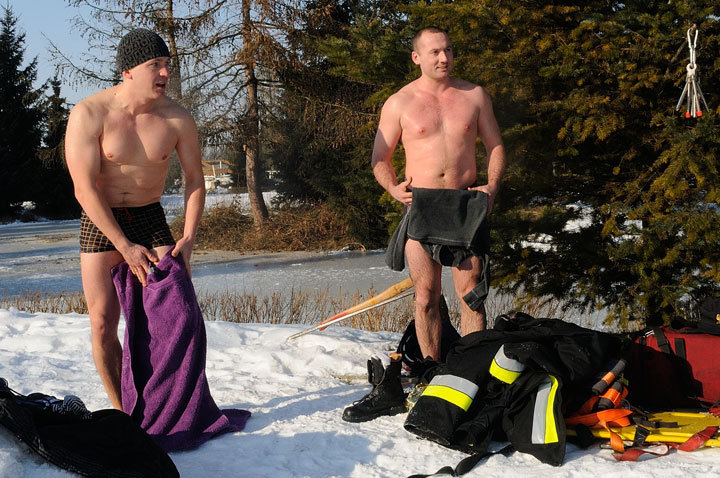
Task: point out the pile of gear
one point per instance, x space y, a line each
104 443
537 383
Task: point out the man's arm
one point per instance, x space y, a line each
489 132
189 155
386 139
82 153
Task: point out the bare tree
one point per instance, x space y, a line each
225 52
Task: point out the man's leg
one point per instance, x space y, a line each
104 310
465 277
426 277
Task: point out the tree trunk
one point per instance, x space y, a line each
252 140
175 86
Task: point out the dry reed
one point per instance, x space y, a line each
295 307
40 302
297 228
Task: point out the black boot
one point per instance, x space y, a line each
386 398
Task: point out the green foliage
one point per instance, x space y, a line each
584 92
322 138
52 187
32 165
21 117
318 159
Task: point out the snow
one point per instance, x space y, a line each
296 392
173 204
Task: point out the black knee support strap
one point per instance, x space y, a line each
476 297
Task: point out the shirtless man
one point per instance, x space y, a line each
118 143
438 118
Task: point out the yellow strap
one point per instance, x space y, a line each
502 374
448 394
551 434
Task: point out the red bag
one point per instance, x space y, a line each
674 368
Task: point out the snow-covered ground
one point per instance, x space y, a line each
174 203
296 392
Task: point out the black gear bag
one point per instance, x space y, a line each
409 347
105 443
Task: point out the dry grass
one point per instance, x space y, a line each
298 228
296 307
300 308
497 304
40 302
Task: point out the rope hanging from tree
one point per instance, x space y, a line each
692 91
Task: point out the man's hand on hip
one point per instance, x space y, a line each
184 246
491 191
402 192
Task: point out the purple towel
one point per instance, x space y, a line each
164 387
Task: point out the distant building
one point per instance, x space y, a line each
217 173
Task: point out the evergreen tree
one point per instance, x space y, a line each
322 137
610 198
54 194
228 51
21 117
587 92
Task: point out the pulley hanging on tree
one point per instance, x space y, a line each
692 91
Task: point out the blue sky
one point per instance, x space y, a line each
39 19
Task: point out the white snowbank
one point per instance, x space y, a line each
296 392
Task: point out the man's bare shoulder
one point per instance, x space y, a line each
174 111
94 105
470 89
464 85
99 102
402 97
91 111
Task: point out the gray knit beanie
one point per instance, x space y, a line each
139 46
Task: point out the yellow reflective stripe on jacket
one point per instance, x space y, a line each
504 368
456 390
544 429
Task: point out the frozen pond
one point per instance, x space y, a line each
40 256
44 257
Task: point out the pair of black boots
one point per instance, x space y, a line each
387 396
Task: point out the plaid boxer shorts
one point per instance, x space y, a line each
144 225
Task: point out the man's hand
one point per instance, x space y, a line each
139 259
184 246
491 191
402 192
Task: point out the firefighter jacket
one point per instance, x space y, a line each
508 383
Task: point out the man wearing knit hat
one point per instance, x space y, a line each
117 146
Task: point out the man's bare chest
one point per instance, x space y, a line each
136 141
429 118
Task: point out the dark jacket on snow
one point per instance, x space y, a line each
509 383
